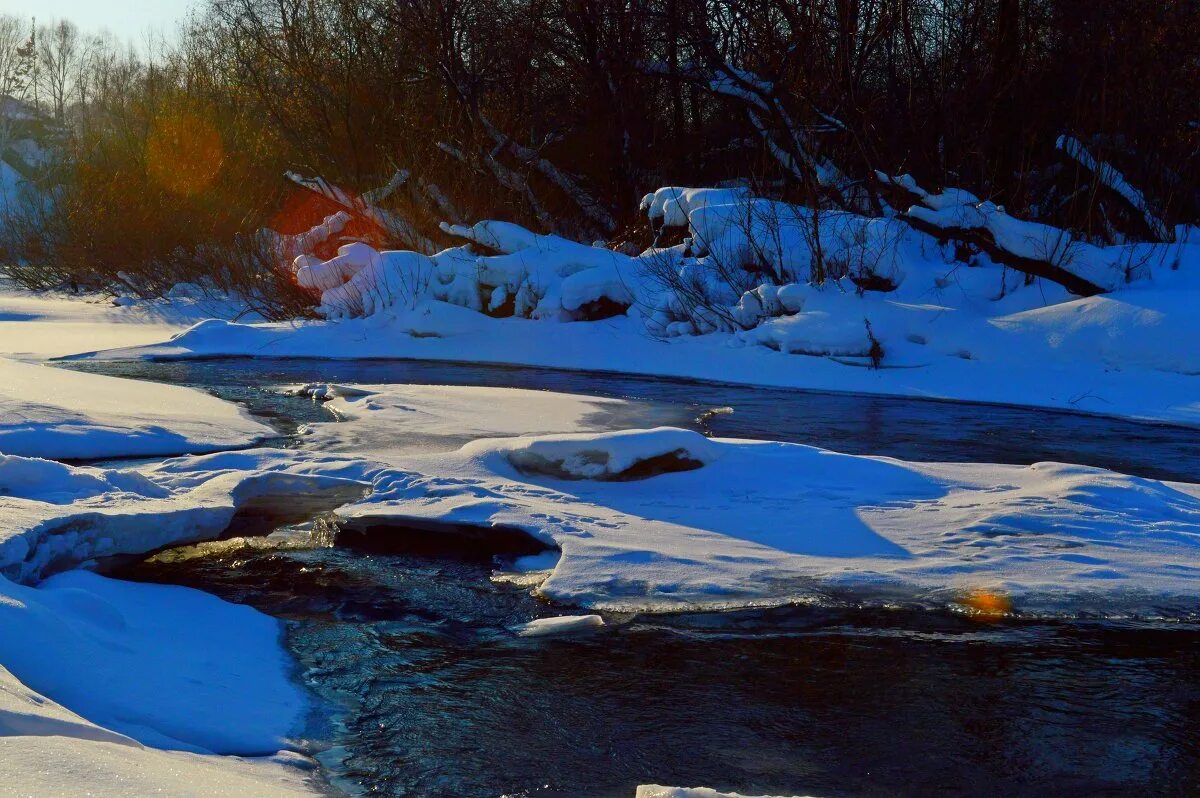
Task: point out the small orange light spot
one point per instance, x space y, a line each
987 603
184 153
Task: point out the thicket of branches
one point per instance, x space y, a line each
561 113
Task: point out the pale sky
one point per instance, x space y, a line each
129 20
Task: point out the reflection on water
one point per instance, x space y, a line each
439 699
856 424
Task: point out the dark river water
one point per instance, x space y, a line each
422 691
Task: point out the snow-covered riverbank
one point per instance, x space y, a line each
437 331
761 292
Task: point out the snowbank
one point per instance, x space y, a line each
764 292
932 350
49 750
164 666
41 325
52 412
168 666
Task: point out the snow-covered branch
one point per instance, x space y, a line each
591 207
797 154
391 224
1111 177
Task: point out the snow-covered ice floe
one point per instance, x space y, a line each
559 625
659 519
724 523
658 791
411 418
53 412
666 519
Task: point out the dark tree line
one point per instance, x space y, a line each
562 113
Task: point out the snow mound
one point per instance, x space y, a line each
1137 328
561 625
49 750
624 455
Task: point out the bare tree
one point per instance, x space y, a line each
59 49
16 57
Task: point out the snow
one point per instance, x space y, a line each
963 357
637 520
411 418
49 751
658 791
41 325
168 666
53 412
560 625
743 300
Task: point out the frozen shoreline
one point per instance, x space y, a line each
440 332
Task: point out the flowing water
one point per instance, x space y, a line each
423 691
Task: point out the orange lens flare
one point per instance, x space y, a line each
184 153
987 603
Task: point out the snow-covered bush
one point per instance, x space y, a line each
529 276
787 277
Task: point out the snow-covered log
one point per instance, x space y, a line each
1034 248
527 275
287 248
